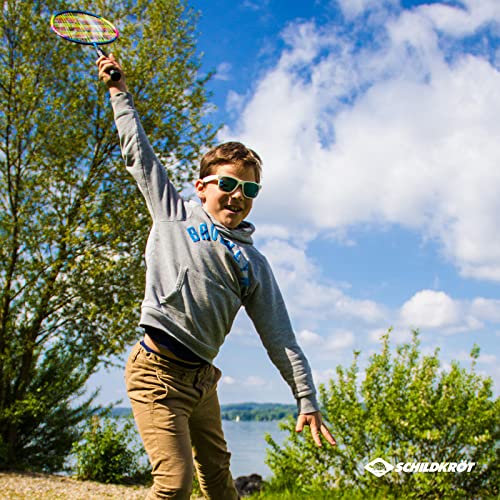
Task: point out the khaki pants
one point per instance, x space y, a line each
178 415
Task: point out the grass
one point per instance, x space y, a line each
316 495
287 495
274 492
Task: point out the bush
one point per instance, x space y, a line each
107 454
407 409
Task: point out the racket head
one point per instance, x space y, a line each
83 27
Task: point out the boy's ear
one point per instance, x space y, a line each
199 186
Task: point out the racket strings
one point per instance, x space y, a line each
84 28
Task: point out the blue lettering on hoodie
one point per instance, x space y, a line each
212 234
194 235
205 235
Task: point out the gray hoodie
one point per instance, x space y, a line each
199 273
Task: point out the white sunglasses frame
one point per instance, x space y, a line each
215 177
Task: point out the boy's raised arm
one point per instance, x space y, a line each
162 199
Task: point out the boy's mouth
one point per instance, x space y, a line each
233 208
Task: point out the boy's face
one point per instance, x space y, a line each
230 209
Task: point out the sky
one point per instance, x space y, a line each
378 122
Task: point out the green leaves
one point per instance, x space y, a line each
406 409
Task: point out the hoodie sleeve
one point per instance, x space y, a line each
266 308
162 199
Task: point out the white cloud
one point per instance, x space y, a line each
486 309
430 309
397 335
435 310
223 71
394 135
459 21
249 381
299 236
235 103
256 4
307 338
323 376
354 8
335 342
340 341
254 381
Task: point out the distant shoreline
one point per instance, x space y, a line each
256 412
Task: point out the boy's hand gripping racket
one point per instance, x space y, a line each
85 28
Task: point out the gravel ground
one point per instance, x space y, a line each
32 486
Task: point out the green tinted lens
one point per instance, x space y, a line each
251 189
227 184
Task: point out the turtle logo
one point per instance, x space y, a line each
379 467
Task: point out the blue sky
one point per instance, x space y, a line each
379 125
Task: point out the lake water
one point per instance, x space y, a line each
247 445
245 441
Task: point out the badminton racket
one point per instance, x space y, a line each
85 28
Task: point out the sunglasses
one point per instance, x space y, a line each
230 184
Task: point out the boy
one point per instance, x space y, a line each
201 267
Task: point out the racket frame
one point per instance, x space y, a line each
82 42
115 74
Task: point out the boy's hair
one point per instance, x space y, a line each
234 153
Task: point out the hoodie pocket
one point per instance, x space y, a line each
178 286
202 306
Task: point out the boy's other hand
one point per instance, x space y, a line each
105 64
315 422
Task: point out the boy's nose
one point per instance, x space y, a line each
238 192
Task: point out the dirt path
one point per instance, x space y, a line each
31 486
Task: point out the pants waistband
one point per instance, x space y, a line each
171 359
165 340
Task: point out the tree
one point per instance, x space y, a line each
72 223
407 409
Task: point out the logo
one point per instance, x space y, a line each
379 467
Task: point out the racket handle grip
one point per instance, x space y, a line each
113 73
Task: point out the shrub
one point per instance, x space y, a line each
107 452
407 409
